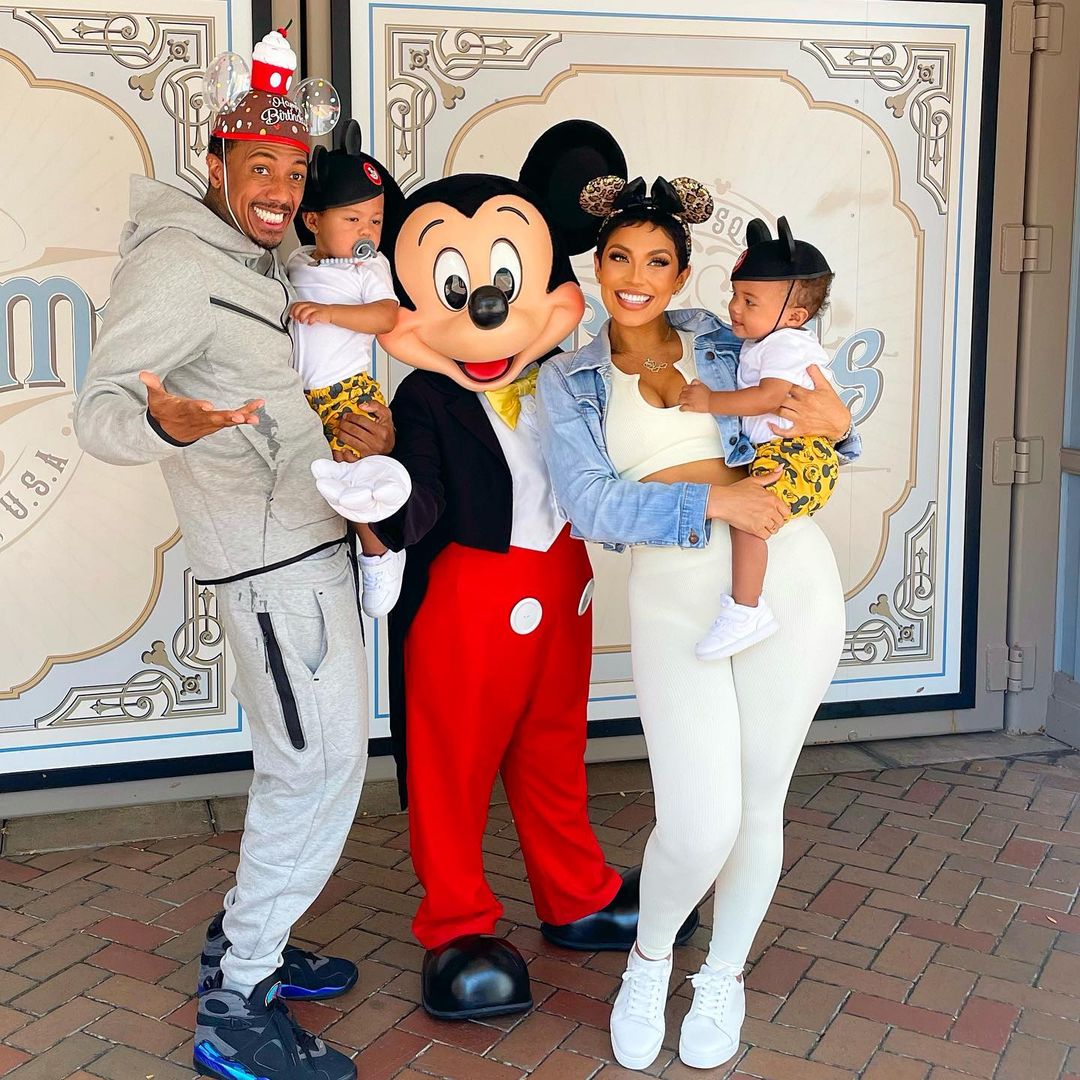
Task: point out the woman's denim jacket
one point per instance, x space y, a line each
573 391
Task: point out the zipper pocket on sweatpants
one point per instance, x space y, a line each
281 681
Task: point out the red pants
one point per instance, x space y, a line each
484 697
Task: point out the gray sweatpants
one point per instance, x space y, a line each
301 676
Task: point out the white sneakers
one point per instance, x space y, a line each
736 628
637 1018
381 578
710 1030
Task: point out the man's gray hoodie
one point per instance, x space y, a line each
197 303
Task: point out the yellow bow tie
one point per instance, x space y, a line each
506 401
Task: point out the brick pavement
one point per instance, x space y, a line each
927 928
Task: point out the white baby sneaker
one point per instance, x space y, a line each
381 577
736 628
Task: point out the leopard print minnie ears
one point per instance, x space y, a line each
684 199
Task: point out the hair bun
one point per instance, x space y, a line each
599 194
696 200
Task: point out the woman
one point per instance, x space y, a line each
629 468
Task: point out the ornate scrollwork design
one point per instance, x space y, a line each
902 627
428 68
919 82
186 678
166 55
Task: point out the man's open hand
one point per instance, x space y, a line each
186 419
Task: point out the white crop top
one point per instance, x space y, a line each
643 438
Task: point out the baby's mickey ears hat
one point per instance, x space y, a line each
783 259
344 176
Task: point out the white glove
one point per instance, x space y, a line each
370 489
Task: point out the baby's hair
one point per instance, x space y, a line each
812 294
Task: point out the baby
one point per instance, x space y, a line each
347 297
779 286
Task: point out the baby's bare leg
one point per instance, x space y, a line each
370 544
749 561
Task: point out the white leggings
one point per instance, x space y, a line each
723 736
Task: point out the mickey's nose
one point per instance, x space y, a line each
488 307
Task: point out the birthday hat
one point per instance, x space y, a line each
261 104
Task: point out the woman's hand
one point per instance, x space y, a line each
747 506
814 412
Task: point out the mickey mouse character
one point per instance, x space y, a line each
491 641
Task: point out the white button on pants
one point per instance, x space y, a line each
586 596
526 615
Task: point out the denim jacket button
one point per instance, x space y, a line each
710 355
734 439
693 538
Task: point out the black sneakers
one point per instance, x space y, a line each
255 1038
303 975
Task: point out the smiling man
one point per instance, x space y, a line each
193 370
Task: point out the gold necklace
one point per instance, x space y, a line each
648 363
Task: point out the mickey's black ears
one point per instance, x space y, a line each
562 161
783 232
353 139
757 232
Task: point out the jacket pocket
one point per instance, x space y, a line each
227 305
276 662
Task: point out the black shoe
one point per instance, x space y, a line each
613 928
303 975
475 975
255 1038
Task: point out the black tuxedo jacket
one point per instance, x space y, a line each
462 492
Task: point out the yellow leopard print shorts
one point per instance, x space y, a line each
809 467
332 402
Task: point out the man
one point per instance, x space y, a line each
198 317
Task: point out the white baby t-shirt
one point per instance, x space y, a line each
325 354
783 354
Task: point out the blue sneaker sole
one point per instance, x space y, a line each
302 993
208 1061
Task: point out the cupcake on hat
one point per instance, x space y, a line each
264 103
273 63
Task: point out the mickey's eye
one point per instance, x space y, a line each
506 268
452 279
